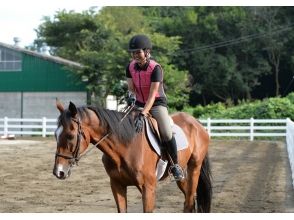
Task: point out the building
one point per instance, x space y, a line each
30 82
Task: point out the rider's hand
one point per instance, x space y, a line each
131 99
139 122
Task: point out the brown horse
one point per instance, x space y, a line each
128 157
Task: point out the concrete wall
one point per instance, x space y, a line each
37 104
10 104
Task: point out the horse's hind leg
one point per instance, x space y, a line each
191 188
120 195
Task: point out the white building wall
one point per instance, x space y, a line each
10 104
43 104
37 104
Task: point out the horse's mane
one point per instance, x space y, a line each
110 120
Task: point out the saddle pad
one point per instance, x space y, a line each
178 133
160 168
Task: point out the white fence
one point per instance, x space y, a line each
250 128
290 145
21 126
216 127
245 127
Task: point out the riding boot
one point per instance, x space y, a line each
176 170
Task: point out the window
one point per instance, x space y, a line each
9 60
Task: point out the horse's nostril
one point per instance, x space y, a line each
61 174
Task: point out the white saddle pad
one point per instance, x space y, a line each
181 141
178 133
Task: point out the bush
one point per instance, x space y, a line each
271 108
290 96
212 109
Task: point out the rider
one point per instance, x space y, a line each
145 82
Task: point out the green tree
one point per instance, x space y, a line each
218 50
272 23
99 41
129 21
83 37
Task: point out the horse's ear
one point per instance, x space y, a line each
59 105
73 109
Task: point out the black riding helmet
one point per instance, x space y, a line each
139 42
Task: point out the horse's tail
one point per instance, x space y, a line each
204 189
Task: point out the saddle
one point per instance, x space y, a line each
153 136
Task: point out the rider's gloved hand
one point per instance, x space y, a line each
139 122
131 99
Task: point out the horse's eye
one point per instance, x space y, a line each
69 137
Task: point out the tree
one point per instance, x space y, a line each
176 81
99 41
228 53
274 42
217 49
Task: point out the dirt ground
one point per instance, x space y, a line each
247 177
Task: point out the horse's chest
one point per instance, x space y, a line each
120 172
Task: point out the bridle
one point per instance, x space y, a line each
75 157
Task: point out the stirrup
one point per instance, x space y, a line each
179 176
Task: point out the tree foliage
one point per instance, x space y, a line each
209 54
99 41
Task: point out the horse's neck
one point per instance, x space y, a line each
104 141
110 145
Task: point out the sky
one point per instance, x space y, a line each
19 18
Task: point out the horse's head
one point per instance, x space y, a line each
72 140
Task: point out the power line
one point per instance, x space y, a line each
236 40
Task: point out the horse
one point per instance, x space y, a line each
127 156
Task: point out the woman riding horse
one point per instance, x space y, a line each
145 82
128 157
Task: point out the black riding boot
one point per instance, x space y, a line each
176 170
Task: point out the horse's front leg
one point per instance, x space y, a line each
120 195
148 197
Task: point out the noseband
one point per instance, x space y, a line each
74 158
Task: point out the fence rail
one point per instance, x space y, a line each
245 127
216 127
27 126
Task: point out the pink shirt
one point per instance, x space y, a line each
142 81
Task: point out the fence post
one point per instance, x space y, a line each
5 126
208 126
44 127
290 146
251 129
288 120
